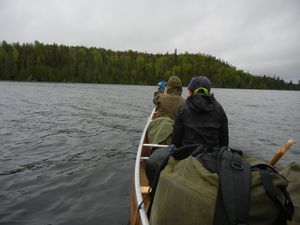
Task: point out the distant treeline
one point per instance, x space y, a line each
60 63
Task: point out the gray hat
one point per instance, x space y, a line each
199 82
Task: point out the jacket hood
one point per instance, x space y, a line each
201 102
174 82
174 85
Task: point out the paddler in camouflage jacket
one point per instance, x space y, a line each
168 103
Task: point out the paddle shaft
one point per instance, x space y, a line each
281 151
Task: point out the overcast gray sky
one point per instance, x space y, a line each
258 36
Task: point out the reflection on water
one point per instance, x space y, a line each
67 150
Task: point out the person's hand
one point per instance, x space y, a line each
172 149
161 86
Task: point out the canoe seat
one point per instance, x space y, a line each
145 190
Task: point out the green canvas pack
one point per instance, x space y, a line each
187 193
292 174
160 131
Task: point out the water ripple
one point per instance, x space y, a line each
67 150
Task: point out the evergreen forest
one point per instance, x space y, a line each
60 63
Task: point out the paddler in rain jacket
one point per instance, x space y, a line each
170 101
202 119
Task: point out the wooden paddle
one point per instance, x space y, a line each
281 151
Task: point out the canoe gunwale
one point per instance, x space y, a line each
137 186
138 209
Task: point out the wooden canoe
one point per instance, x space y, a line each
139 197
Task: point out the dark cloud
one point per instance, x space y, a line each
260 37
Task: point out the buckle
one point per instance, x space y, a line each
236 166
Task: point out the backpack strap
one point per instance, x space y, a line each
234 188
286 209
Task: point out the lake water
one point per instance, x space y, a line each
67 150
